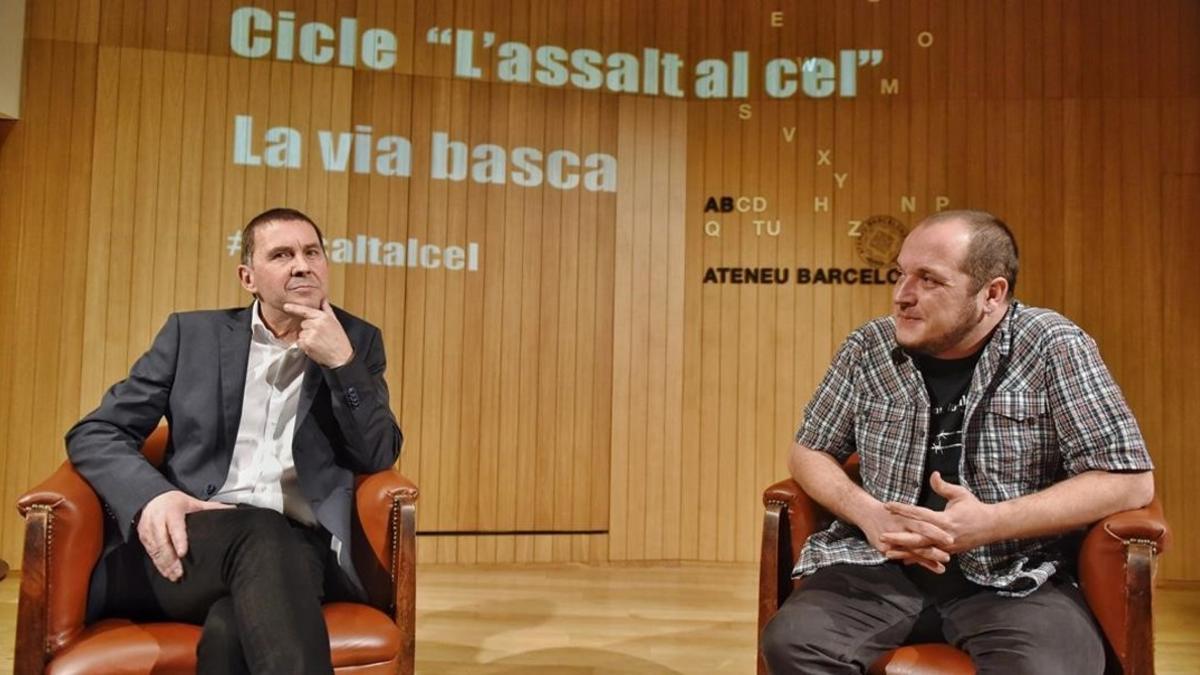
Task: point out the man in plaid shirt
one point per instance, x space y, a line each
986 431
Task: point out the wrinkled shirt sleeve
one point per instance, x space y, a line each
829 417
1096 429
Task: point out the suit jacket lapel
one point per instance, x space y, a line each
235 353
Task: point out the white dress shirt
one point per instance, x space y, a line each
262 471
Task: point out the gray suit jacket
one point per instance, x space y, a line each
194 375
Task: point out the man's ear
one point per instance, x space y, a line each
246 278
997 295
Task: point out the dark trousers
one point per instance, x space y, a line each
252 578
845 617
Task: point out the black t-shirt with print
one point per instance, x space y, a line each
947 381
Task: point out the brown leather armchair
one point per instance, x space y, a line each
63 539
1116 569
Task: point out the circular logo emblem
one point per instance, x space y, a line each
879 240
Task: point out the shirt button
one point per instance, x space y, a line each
210 489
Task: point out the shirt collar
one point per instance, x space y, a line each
1002 339
259 332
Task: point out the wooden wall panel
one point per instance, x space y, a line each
1181 194
1074 174
44 191
585 395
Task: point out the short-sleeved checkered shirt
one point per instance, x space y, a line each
1042 407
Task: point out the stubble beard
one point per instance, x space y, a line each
966 321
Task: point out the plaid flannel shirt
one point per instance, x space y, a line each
1041 407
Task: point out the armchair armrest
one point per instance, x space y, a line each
64 534
1116 573
790 517
385 549
804 516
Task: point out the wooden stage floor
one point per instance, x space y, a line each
575 619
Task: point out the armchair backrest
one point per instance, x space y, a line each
384 546
155 445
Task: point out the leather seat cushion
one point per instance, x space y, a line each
359 635
924 659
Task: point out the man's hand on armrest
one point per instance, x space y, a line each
823 479
163 532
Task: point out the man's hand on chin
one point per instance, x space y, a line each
322 337
163 533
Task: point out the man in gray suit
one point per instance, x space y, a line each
272 410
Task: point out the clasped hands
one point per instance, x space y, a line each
919 536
